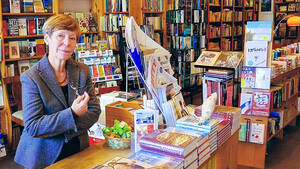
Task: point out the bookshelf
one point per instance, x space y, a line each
285 35
226 21
186 27
26 31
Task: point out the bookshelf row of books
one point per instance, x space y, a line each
112 22
180 16
116 5
289 7
22 26
153 5
103 73
187 42
27 6
186 29
252 132
87 21
25 48
15 69
156 21
183 4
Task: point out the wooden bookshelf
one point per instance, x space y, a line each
253 155
7 118
229 41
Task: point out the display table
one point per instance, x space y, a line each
226 156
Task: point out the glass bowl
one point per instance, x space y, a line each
117 143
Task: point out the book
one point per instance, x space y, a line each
207 58
13 28
263 78
31 48
15 6
169 143
23 46
121 162
39 25
259 30
22 26
5 6
157 160
14 51
246 103
31 27
38 6
145 122
256 53
4 28
242 132
248 77
257 133
48 6
40 47
28 6
23 65
261 103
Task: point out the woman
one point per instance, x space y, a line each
59 103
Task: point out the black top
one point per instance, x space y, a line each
73 145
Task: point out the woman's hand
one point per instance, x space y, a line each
80 104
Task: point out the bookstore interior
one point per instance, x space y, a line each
181 83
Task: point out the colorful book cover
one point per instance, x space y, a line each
4 28
14 51
261 103
246 103
38 6
40 47
23 45
31 48
242 132
39 25
208 58
107 70
121 162
13 28
28 6
248 77
145 122
257 133
48 6
31 26
22 26
15 6
5 6
23 65
157 160
169 143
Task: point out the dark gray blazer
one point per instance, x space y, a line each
48 119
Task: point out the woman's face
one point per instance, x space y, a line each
61 44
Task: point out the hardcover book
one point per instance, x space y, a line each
4 28
38 6
158 160
39 25
13 28
40 47
208 58
28 6
169 143
15 6
22 26
31 26
14 49
121 162
23 45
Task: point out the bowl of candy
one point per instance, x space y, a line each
118 136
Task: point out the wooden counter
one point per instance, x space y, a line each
226 156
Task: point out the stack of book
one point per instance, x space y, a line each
210 126
173 143
224 132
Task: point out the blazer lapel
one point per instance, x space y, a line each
73 80
47 74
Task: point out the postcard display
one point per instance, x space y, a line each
256 96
